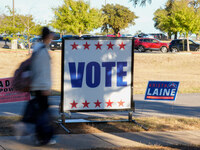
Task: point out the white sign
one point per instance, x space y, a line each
97 74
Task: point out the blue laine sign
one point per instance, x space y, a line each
162 90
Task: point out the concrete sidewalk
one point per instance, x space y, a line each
106 140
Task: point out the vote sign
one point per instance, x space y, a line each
162 90
97 74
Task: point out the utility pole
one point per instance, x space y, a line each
13 13
89 4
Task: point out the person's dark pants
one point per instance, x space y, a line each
44 128
42 101
38 112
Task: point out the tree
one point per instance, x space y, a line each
196 5
7 26
76 17
24 24
20 24
181 16
117 17
185 18
1 23
30 27
163 20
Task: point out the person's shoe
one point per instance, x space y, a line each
52 142
37 142
19 130
44 142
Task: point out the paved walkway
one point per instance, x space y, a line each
106 140
187 105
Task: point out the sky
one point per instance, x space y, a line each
42 11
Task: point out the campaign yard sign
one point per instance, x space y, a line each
162 90
8 94
97 74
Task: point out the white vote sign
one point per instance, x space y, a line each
97 74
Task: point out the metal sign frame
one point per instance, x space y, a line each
132 108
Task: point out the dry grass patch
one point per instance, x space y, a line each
161 67
170 123
6 125
167 67
152 123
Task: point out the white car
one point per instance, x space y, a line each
143 35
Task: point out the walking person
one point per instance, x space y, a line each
37 110
41 88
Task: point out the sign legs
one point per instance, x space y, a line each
62 123
130 119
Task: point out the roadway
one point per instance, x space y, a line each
187 105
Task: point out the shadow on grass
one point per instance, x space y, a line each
6 125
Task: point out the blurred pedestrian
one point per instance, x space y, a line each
37 110
41 87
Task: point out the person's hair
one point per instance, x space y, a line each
45 32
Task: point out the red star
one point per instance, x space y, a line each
74 46
98 45
85 104
97 104
109 103
110 46
86 46
121 103
74 104
122 45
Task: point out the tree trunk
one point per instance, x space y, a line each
188 45
169 35
80 34
175 35
29 45
116 32
197 36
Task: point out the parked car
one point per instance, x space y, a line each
143 35
90 36
56 36
22 43
181 45
113 35
159 36
5 42
143 44
34 40
57 44
126 35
